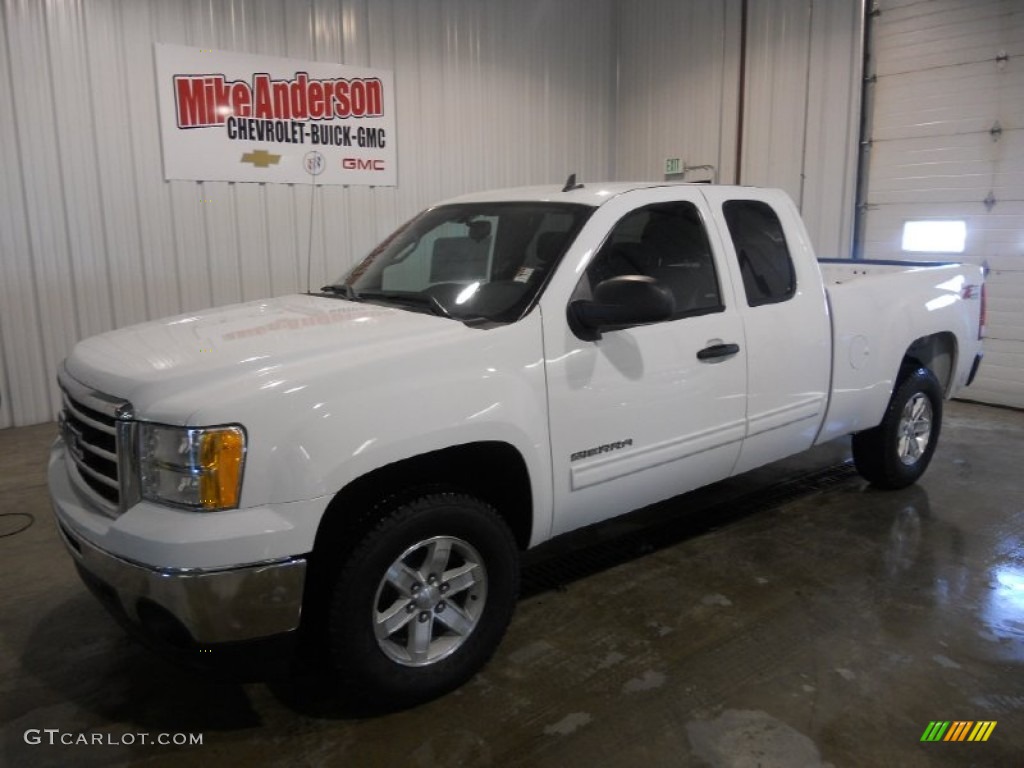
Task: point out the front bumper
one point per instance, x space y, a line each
195 603
195 606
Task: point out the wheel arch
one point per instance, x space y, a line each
492 471
938 353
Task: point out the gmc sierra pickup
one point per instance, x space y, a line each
365 463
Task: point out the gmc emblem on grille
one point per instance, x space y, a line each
72 437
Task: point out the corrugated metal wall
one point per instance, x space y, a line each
947 133
678 87
802 119
679 93
490 93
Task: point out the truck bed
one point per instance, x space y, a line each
876 307
838 271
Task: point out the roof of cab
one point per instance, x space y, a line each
593 193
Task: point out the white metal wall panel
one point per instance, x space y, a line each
775 115
957 168
40 162
23 368
832 133
958 100
801 118
678 87
947 135
489 93
927 34
148 211
678 96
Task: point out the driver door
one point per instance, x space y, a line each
644 413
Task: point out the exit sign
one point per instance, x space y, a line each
673 165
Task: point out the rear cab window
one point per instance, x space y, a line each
766 266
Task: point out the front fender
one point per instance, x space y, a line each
325 423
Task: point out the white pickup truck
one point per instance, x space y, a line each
364 464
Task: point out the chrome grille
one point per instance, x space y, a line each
97 435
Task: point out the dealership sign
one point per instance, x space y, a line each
237 117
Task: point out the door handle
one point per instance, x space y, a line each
718 351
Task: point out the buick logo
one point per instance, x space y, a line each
314 163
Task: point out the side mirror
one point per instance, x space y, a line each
621 302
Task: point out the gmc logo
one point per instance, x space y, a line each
73 439
358 164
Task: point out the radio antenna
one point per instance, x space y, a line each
570 184
314 163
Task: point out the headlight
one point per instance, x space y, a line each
188 467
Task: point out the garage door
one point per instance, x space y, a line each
945 122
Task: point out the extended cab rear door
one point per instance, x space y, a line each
645 412
787 333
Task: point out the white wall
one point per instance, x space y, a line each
679 94
490 93
802 119
678 87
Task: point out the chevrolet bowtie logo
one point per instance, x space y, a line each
260 158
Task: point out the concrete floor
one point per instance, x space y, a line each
829 628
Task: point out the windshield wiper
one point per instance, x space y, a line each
437 307
406 299
417 300
347 290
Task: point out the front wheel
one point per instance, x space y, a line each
424 600
897 452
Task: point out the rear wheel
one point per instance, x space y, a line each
424 600
897 452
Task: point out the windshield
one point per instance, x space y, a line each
472 261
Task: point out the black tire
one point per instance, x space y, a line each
476 592
897 452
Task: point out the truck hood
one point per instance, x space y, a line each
141 362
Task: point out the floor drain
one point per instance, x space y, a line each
12 523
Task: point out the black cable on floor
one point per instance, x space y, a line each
25 527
